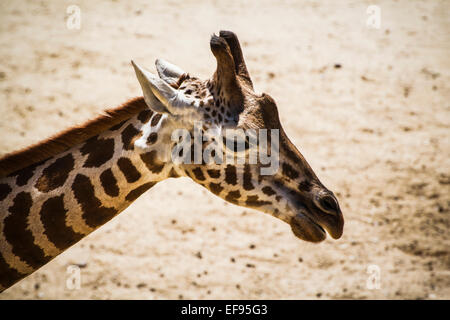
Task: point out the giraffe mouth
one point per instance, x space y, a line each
307 229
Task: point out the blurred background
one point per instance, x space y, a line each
362 91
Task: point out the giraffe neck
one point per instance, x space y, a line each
49 206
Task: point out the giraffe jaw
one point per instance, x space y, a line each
306 229
311 222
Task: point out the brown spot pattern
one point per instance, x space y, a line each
289 171
129 135
156 119
23 175
173 173
292 155
145 115
253 201
53 217
216 188
118 126
17 233
268 190
213 173
198 173
305 186
248 185
8 275
233 196
55 175
94 213
109 183
128 169
99 151
230 175
136 193
151 162
4 190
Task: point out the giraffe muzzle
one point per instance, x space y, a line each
328 214
312 223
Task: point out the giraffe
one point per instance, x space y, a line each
58 191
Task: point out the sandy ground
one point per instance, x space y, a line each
368 108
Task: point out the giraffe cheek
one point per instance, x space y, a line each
306 229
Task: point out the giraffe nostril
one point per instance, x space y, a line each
329 204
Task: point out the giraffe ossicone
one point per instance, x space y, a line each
56 192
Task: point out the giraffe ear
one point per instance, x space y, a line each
150 99
168 72
161 97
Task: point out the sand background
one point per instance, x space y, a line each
375 130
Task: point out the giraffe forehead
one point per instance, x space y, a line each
210 98
193 84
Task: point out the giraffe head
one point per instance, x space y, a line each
284 186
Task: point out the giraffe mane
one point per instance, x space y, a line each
68 138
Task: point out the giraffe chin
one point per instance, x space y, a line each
306 229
